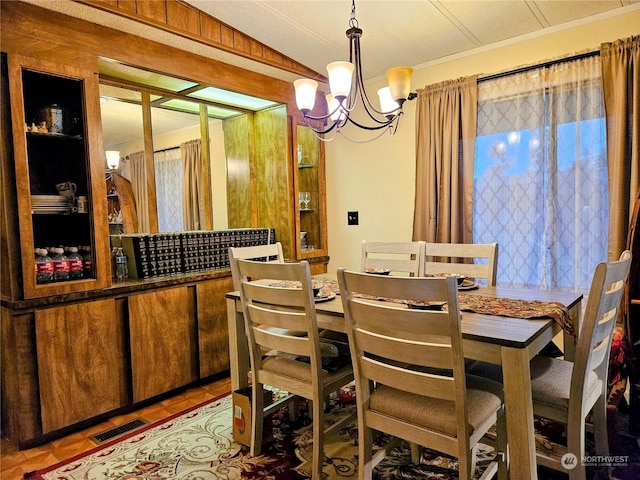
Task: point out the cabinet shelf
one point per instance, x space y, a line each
58 136
51 213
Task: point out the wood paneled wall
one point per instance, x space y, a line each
237 143
273 175
185 20
259 177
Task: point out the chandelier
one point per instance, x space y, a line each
346 90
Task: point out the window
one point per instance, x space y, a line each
541 175
168 165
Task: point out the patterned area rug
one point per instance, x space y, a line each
198 444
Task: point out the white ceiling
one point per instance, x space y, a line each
396 32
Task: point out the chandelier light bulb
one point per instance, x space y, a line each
388 105
113 159
399 79
305 93
340 78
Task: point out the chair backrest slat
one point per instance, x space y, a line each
458 258
284 296
390 321
420 383
404 258
279 319
282 343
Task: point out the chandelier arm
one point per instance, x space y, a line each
319 131
366 103
340 132
374 127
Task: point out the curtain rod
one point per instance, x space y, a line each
166 149
579 56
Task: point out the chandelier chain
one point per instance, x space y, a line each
353 21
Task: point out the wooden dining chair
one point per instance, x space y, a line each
460 257
566 392
271 252
283 321
403 258
409 371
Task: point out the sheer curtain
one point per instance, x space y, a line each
445 139
192 185
168 167
137 173
541 174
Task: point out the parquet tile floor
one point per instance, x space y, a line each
15 463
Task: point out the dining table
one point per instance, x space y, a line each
498 339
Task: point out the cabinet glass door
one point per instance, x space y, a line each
55 179
310 191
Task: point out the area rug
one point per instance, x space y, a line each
198 444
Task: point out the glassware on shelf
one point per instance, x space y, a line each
306 199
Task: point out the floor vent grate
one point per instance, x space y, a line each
119 430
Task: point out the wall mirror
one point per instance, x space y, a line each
151 114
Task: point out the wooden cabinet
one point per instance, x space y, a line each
163 333
57 159
90 377
213 338
68 361
309 187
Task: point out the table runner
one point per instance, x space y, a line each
526 309
505 307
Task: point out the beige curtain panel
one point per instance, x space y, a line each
446 120
621 84
138 174
193 206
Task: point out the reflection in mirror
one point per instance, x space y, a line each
177 107
168 146
122 124
121 131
